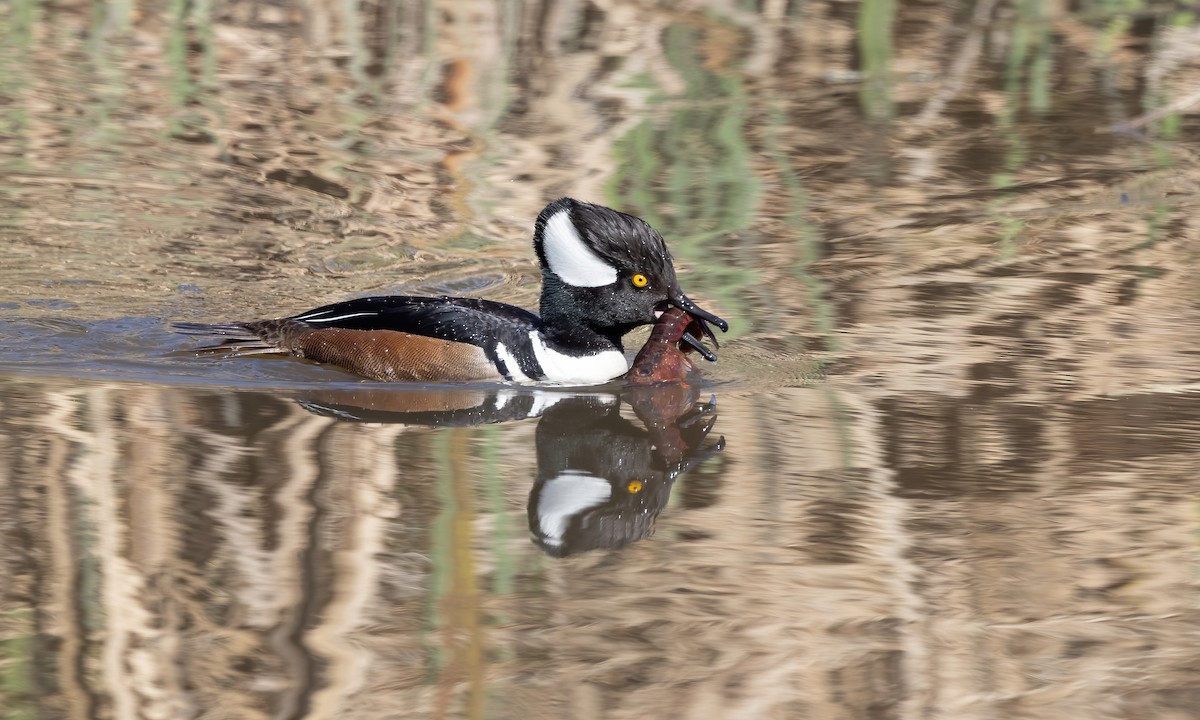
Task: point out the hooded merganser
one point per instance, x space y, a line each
603 274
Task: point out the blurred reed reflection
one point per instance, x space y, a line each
957 242
178 552
241 542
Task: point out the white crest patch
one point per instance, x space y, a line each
567 495
570 258
566 369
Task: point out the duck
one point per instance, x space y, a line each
604 273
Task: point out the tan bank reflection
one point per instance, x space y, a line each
188 550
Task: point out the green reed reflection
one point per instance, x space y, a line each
803 232
489 457
696 161
1156 99
191 77
875 19
355 47
1030 36
16 40
112 17
18 694
489 98
455 593
440 551
1026 85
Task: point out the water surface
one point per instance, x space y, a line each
945 465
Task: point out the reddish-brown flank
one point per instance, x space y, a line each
389 355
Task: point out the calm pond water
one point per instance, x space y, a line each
947 465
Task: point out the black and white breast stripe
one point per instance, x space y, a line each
514 358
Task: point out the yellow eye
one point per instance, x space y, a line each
634 486
639 280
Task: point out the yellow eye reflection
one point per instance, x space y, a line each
635 486
639 280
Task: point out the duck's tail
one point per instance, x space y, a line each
253 338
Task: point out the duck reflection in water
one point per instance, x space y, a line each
602 479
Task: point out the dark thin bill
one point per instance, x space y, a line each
683 303
698 346
708 332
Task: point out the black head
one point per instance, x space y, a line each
604 270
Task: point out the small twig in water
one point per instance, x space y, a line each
1145 119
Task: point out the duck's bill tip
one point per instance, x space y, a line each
684 303
695 344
